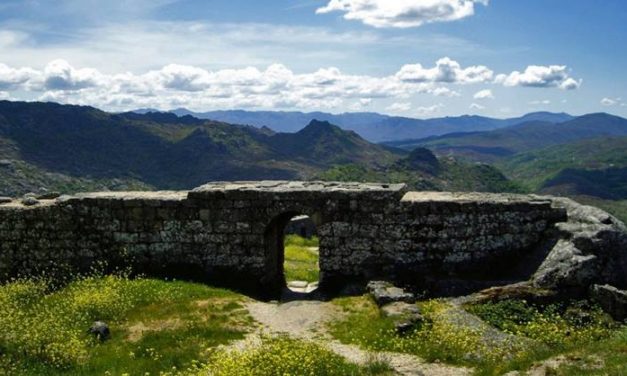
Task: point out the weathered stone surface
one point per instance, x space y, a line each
298 284
399 309
48 196
612 300
29 201
406 316
522 290
384 293
592 249
230 233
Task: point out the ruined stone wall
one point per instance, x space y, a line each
231 233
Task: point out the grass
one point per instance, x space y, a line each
540 332
285 356
155 325
301 261
606 357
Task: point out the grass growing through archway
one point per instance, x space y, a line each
301 258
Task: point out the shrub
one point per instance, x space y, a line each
285 356
559 326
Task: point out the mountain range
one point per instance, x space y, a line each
372 126
584 156
522 137
69 148
74 148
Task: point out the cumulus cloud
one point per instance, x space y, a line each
402 13
476 106
609 102
445 92
276 86
60 75
429 110
484 94
541 76
12 79
399 107
446 70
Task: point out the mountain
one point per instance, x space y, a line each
422 170
373 127
592 167
505 142
166 151
47 146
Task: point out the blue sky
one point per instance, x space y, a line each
418 58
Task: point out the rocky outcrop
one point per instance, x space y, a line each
591 248
612 300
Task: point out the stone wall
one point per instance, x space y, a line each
231 233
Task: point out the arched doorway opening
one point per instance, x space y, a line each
292 256
301 254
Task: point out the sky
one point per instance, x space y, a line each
415 58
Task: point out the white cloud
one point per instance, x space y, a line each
399 107
402 13
608 102
360 104
446 70
60 75
484 94
540 102
275 87
11 78
540 76
429 110
445 92
476 106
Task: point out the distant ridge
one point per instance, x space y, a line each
530 135
372 126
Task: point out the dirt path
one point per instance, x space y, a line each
307 319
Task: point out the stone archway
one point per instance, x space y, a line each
274 276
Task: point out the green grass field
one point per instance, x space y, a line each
301 259
155 325
580 331
157 328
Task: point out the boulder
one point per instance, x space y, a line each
48 196
384 293
567 266
612 300
100 330
407 317
29 201
591 248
